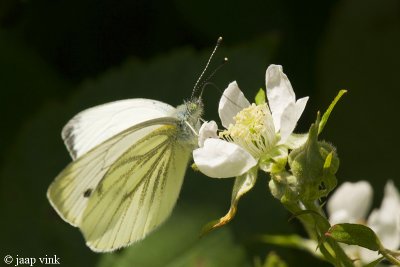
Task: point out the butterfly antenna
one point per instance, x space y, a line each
206 81
219 41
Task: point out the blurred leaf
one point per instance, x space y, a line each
292 241
354 234
26 82
177 244
272 260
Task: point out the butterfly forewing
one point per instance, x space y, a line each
138 191
93 126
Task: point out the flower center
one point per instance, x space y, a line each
253 130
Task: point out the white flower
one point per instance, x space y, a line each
252 131
350 204
207 130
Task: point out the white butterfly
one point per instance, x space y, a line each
129 160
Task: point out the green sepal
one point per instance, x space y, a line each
275 160
327 113
260 97
242 185
354 234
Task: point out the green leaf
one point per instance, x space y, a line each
354 234
260 97
327 113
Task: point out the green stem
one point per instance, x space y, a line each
316 227
390 257
307 223
292 241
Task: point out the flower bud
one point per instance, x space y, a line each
314 165
283 186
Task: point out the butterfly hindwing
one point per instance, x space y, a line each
71 190
138 192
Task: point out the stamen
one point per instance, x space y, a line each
253 130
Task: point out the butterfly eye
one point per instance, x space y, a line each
193 107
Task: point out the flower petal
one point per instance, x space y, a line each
296 140
207 130
232 101
290 116
367 256
385 221
350 202
221 159
279 92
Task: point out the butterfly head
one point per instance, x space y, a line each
194 108
189 114
190 111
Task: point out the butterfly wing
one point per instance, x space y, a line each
93 126
138 192
125 181
71 189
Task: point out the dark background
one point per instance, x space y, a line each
59 57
